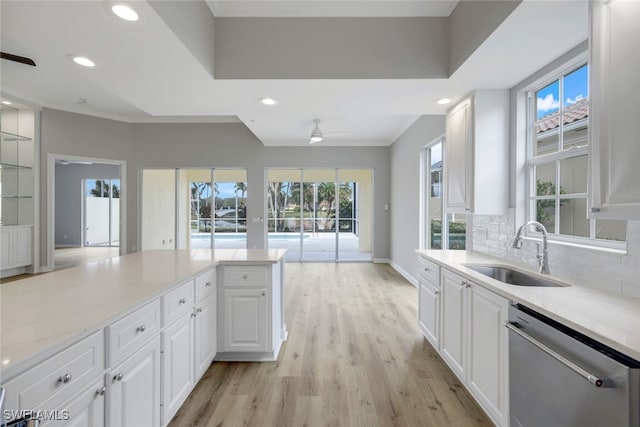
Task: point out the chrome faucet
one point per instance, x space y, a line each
542 254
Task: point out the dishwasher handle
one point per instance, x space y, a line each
598 382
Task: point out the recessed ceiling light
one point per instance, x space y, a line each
443 101
6 102
125 12
83 60
268 101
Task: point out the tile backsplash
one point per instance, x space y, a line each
618 273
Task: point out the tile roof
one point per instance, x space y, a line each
573 113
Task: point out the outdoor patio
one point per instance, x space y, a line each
315 246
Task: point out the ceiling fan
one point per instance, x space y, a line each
17 58
318 136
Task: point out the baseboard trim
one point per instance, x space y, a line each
381 261
404 273
67 245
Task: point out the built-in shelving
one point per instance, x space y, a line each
17 188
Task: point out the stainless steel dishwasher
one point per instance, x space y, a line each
559 377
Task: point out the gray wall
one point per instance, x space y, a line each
334 48
405 190
68 203
207 145
202 145
77 135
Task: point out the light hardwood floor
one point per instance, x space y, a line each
354 357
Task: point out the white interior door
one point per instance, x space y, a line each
158 209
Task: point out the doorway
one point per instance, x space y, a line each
101 208
85 219
320 214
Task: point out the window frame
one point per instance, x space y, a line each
531 161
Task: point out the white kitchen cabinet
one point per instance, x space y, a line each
487 370
614 141
15 246
429 312
474 342
206 336
429 301
476 159
250 312
133 388
453 322
84 410
246 321
188 339
177 365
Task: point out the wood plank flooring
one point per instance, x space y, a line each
354 357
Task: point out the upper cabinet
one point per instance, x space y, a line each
476 160
614 109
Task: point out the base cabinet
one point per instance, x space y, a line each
84 410
246 321
177 365
429 312
473 340
206 337
453 322
487 349
133 389
15 247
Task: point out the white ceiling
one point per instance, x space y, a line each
146 74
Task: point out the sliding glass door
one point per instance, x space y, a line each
199 208
315 214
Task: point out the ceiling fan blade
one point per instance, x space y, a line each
16 58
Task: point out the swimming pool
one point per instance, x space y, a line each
243 236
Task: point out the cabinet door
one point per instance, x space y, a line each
429 312
86 409
487 351
5 249
614 115
245 321
177 365
206 335
133 389
458 170
453 330
21 245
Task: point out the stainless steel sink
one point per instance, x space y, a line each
512 277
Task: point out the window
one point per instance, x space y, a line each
454 234
558 121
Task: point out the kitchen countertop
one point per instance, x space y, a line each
609 318
43 314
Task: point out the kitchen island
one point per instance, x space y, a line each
71 334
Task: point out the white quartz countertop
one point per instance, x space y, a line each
611 319
42 314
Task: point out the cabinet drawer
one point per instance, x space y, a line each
429 271
205 285
126 334
59 377
246 276
177 302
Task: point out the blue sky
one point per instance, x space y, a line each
576 87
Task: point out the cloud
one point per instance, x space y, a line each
570 101
547 103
